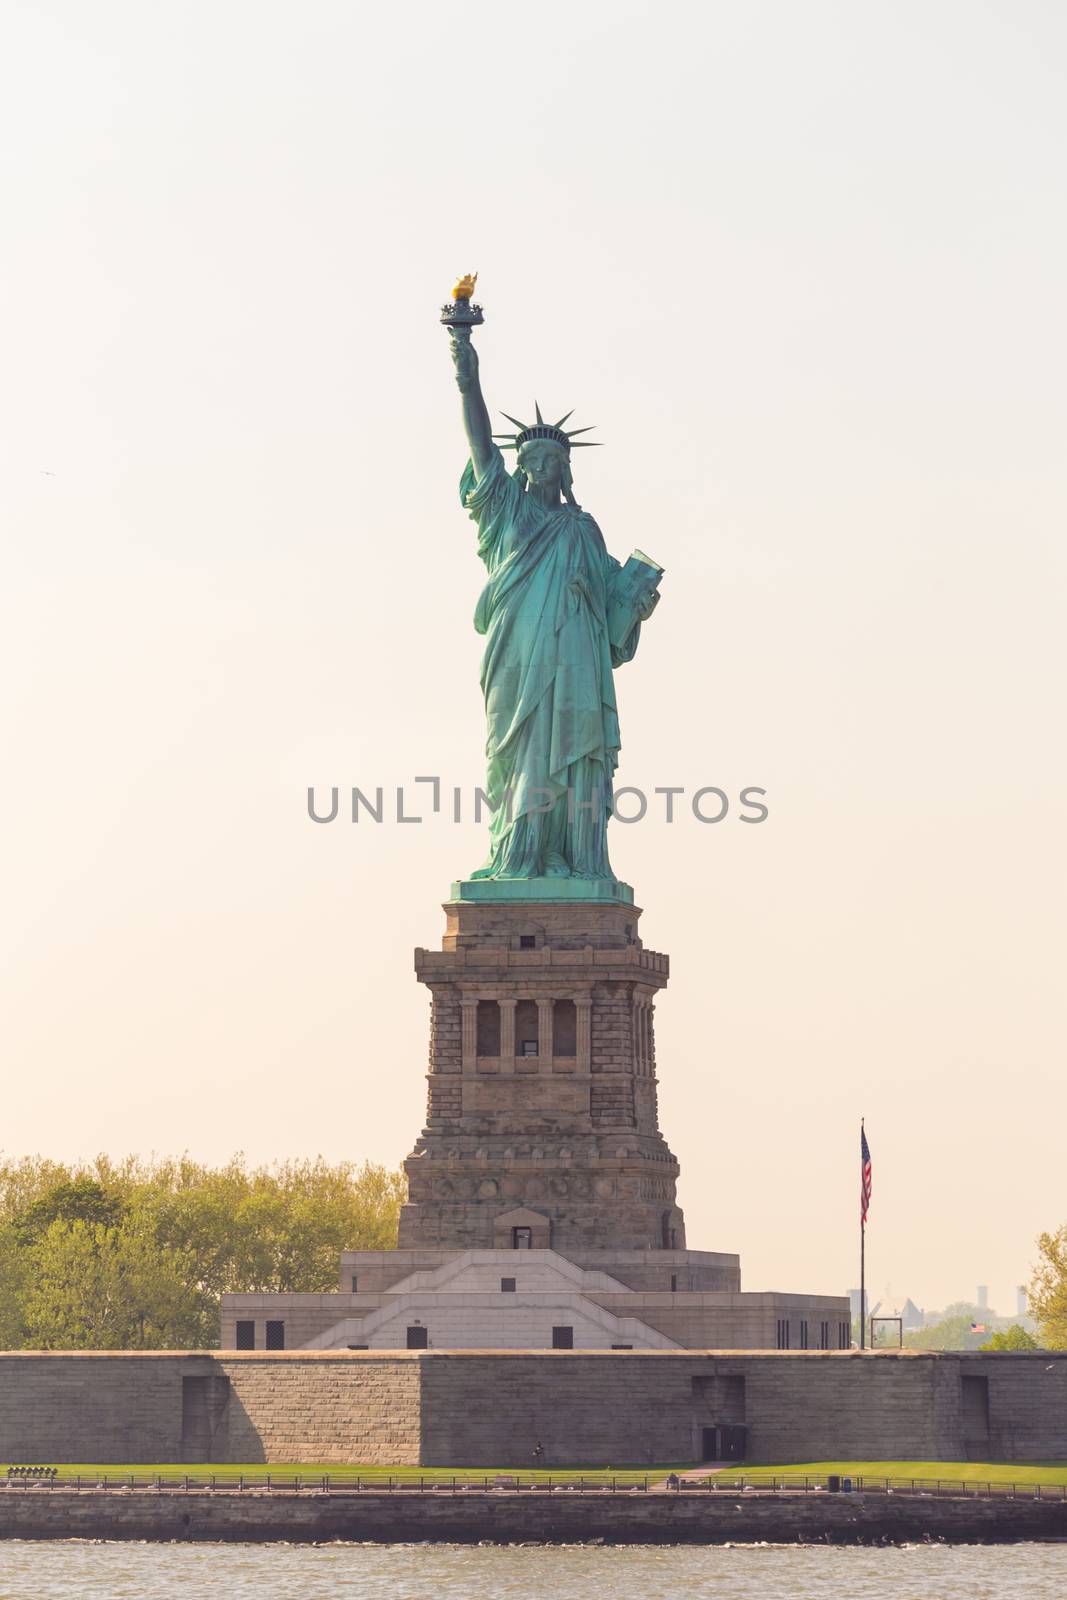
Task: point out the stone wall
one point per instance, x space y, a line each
93 1407
323 1408
1027 1406
490 1409
143 1407
411 1515
798 1406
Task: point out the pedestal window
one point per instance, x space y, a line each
565 1028
488 1028
527 1037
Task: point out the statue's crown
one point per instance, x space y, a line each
544 430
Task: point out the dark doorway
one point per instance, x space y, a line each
732 1442
975 1406
522 1238
204 1402
563 1338
724 1443
418 1338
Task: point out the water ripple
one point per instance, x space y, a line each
48 1571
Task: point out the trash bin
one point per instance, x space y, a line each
846 1485
833 1483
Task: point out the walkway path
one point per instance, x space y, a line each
707 1469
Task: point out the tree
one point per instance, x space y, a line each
94 1287
82 1199
13 1274
1048 1289
279 1229
135 1255
1013 1338
953 1330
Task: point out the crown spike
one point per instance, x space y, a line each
587 444
554 431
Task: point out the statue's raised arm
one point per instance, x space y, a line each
459 317
475 412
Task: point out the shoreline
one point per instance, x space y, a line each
502 1517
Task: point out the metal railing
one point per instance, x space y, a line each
861 1483
339 1482
548 1483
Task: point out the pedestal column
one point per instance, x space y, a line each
544 1033
583 1006
507 1035
469 1034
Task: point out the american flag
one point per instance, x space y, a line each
865 1175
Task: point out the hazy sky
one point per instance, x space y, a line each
804 266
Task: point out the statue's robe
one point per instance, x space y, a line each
552 725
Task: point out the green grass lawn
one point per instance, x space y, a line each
258 1472
1053 1472
283 1473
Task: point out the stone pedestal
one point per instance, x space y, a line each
542 1127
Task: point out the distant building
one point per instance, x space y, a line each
983 1297
911 1316
1022 1301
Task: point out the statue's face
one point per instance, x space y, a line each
543 463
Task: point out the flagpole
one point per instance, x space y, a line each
863 1264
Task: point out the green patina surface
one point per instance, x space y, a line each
559 614
543 889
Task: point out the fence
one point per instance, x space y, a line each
547 1483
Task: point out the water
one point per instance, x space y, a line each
518 1572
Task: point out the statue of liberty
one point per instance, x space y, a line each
558 614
